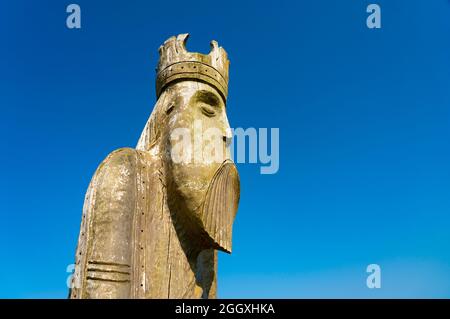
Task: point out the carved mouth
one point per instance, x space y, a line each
220 206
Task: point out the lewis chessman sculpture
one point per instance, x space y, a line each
152 224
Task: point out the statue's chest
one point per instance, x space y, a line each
160 266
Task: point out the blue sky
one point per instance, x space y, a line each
364 137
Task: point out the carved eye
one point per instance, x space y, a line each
208 111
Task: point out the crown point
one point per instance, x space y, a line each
172 38
214 45
182 38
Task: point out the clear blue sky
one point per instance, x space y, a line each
364 136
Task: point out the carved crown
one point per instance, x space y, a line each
176 63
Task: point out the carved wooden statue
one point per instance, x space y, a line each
152 223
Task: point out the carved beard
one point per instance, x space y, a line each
220 206
210 224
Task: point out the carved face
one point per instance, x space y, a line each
202 180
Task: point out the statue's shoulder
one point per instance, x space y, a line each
118 170
122 160
124 153
122 166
